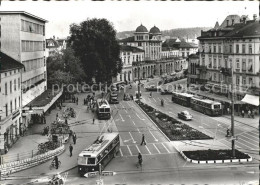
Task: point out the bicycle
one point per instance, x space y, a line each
53 165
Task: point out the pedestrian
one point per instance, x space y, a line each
56 162
93 120
243 113
71 148
57 115
249 113
228 110
143 140
150 94
74 137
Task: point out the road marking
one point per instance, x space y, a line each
129 150
115 106
137 148
166 148
139 117
168 98
121 104
132 137
121 117
153 135
156 148
128 104
251 136
147 149
133 122
121 153
246 141
154 99
129 116
138 130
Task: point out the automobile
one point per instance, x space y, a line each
113 94
151 88
185 115
173 74
136 94
113 100
165 91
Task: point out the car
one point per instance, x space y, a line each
113 100
165 91
151 88
113 94
185 115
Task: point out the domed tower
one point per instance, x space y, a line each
141 33
155 31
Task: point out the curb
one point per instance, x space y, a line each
153 122
215 161
241 122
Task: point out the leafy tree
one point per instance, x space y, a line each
94 42
64 68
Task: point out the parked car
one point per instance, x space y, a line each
151 88
165 91
185 115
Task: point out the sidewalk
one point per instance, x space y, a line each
248 121
85 130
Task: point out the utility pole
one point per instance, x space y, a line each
138 65
232 114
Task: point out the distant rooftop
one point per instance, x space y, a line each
22 12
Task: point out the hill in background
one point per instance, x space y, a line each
191 33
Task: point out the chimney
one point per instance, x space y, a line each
254 17
54 37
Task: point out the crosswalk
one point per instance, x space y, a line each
148 149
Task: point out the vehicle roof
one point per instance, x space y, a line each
102 103
207 101
185 111
183 94
94 149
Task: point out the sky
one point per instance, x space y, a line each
128 15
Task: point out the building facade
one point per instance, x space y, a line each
193 74
234 45
23 38
10 101
54 45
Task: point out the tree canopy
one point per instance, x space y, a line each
94 42
64 68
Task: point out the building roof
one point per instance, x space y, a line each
155 30
171 43
252 28
130 48
193 56
8 63
24 13
49 41
141 29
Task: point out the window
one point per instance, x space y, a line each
243 64
219 49
230 48
14 84
250 65
237 64
6 109
10 86
250 50
11 106
15 104
214 49
215 76
237 48
243 81
5 88
139 44
19 102
243 48
209 49
215 62
210 62
237 80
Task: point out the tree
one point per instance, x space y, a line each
94 42
64 68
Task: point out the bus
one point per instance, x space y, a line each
103 109
206 106
182 98
104 148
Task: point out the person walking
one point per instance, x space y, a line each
143 140
94 120
56 162
249 113
71 149
74 138
243 113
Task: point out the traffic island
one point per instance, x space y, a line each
172 128
215 156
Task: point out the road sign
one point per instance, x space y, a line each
91 174
108 173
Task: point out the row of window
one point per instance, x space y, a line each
32 27
12 86
229 48
33 80
10 110
134 57
34 64
219 77
29 46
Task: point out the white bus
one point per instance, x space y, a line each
103 109
101 152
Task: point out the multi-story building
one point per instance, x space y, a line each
129 55
233 45
180 47
55 46
193 63
23 38
150 42
10 101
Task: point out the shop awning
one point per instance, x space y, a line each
251 99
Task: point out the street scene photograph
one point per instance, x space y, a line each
129 92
